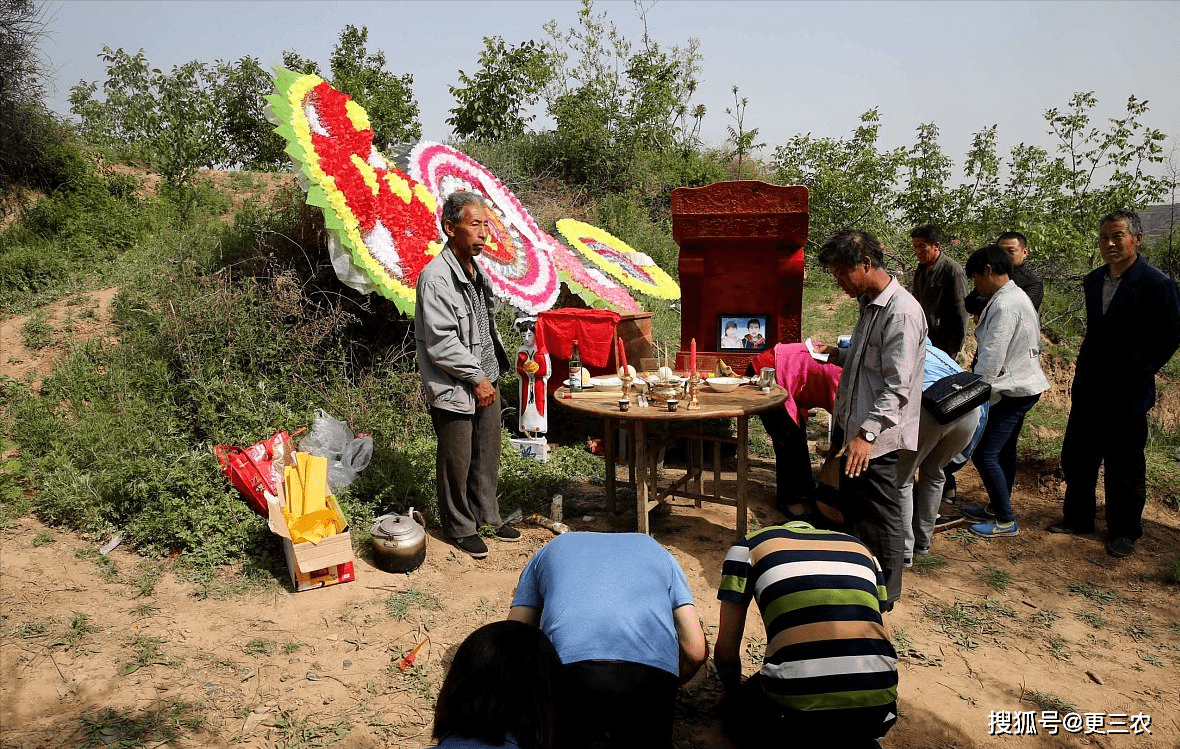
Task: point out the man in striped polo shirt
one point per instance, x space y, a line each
829 675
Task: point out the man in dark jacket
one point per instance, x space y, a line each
1016 245
940 286
1132 330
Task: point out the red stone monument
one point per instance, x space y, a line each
741 263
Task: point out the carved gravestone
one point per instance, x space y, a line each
741 260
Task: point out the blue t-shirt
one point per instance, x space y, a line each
939 364
607 596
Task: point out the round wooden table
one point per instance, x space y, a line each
739 404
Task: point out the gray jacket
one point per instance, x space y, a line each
447 334
1009 336
881 386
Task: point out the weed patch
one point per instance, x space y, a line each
155 726
1047 701
964 622
930 563
398 605
145 651
996 579
295 731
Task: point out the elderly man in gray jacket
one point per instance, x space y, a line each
460 358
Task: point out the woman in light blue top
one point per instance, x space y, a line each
500 691
1008 359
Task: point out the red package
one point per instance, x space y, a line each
256 470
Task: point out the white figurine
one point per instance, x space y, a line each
533 369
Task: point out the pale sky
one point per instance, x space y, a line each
806 67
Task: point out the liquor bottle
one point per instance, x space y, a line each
575 369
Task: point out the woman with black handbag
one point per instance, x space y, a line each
1008 358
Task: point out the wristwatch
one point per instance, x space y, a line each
868 437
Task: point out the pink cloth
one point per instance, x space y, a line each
594 330
809 383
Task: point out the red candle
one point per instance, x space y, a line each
692 359
622 357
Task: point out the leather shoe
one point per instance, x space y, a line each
1120 547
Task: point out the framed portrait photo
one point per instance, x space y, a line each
743 331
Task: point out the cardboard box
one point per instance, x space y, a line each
315 565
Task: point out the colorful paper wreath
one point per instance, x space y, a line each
617 258
383 218
517 261
589 283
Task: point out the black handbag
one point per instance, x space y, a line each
954 395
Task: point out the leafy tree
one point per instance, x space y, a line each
1122 150
165 119
26 128
850 182
611 106
250 140
926 197
490 105
388 99
741 140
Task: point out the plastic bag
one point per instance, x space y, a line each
328 437
347 456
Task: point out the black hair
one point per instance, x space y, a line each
753 322
993 255
503 679
849 248
1013 235
929 232
732 324
1132 219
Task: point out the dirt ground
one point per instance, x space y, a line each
93 648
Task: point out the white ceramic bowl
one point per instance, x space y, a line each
724 384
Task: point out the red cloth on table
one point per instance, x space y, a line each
809 383
594 330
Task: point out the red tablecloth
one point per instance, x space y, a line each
594 330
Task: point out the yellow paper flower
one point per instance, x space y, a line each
615 257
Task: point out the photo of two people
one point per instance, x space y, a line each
741 332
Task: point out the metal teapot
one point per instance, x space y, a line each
399 541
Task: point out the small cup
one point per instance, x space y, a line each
624 404
672 404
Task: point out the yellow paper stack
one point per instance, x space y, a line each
308 516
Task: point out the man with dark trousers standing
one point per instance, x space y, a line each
1132 330
460 358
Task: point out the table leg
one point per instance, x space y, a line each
717 471
699 459
642 472
743 424
608 445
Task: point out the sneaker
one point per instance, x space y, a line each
1121 547
979 514
1061 527
922 552
473 545
507 533
907 562
994 528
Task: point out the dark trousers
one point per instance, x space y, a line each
995 456
792 458
871 504
616 704
1097 434
467 464
754 721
